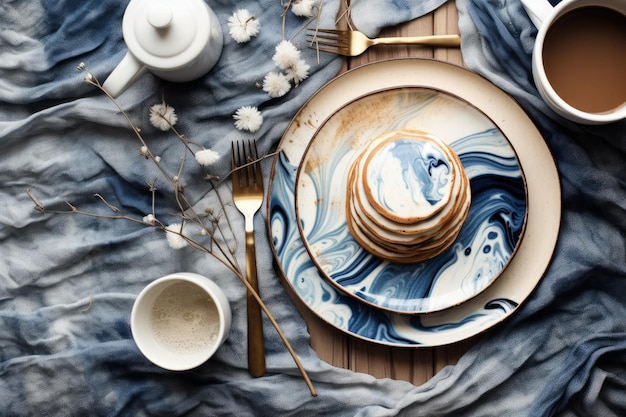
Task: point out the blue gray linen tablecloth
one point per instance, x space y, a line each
67 282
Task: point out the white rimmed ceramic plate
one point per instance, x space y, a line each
490 234
480 313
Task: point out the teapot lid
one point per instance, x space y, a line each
166 34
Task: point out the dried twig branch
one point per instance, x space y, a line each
218 234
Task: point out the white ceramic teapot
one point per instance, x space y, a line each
177 40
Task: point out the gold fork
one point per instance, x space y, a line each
248 197
353 43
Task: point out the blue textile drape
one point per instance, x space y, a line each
67 282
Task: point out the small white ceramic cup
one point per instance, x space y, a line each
543 16
178 321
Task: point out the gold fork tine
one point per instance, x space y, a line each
335 41
336 50
328 41
248 167
244 159
338 32
258 180
329 47
330 34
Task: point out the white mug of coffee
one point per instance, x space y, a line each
579 58
178 321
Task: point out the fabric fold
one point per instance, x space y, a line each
67 282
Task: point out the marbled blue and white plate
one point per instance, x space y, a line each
499 300
491 232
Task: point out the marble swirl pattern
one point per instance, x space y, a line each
485 244
426 173
346 312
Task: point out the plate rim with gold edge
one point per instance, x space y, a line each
477 315
368 278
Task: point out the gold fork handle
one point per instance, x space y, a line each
256 343
449 41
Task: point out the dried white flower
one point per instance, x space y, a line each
248 118
276 84
81 66
286 55
157 159
207 157
163 116
173 234
144 151
149 219
298 72
242 26
303 8
89 78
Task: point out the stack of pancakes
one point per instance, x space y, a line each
407 196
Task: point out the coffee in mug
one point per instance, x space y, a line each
579 58
584 59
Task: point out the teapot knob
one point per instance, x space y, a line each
159 16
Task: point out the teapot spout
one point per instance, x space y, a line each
124 75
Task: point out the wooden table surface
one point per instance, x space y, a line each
415 365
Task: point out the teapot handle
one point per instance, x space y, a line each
538 10
124 75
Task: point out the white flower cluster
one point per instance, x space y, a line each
304 8
175 237
207 157
248 118
242 26
292 68
287 58
163 117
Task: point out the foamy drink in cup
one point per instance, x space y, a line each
179 321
